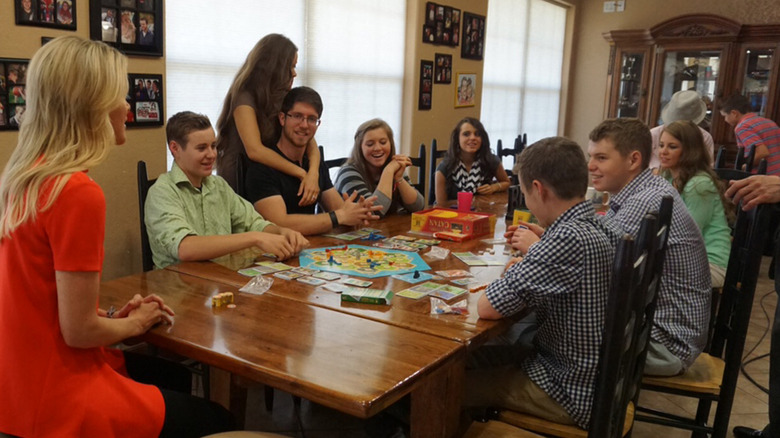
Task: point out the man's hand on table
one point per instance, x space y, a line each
754 190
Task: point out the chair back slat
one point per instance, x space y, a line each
420 163
435 155
143 189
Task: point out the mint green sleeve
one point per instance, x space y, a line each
701 197
166 222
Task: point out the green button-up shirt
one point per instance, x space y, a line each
176 209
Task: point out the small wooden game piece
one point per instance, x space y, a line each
222 299
416 274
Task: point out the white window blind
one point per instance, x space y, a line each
350 51
522 73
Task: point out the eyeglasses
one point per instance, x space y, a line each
298 117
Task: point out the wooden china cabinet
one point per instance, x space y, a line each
713 55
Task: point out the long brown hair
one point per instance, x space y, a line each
266 76
356 158
694 159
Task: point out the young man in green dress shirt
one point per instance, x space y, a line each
194 215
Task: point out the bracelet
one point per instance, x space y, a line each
334 220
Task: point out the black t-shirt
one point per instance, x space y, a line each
263 182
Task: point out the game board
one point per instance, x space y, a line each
363 261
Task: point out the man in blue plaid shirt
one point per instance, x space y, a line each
620 152
564 277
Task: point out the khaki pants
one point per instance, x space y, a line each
508 386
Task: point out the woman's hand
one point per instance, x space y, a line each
403 161
150 313
309 189
295 238
488 189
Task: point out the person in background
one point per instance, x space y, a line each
753 132
564 277
685 105
194 215
374 169
128 28
61 379
684 163
469 165
249 123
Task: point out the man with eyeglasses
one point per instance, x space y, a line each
275 194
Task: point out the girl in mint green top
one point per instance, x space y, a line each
685 164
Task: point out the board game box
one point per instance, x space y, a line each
452 224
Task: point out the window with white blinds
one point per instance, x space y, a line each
521 88
350 51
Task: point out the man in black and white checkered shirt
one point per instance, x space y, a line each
619 152
565 278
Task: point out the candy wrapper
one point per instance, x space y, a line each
437 253
439 307
258 285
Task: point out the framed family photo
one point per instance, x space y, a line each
473 46
60 14
426 85
133 26
442 25
443 69
145 99
13 96
465 89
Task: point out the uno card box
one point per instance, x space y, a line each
453 225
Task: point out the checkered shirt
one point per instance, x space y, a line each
565 279
683 309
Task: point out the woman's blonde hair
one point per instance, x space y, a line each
72 86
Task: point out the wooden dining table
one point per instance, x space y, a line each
354 365
403 312
353 357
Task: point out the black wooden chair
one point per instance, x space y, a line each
335 162
144 183
720 158
434 156
420 163
628 320
143 189
741 160
713 376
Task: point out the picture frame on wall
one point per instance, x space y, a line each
473 36
465 89
442 69
146 100
13 97
135 27
426 85
442 24
58 14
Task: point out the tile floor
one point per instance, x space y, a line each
750 405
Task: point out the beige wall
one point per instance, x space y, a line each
422 126
117 175
587 91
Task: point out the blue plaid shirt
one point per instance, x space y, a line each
565 278
683 310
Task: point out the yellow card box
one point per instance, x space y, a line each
521 215
451 221
368 296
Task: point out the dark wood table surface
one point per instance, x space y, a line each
356 365
404 312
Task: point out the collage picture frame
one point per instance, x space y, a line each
473 46
145 97
134 27
13 98
426 85
442 25
58 14
442 69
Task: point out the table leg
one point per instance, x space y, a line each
227 391
436 402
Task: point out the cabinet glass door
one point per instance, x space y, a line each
690 70
630 91
756 79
